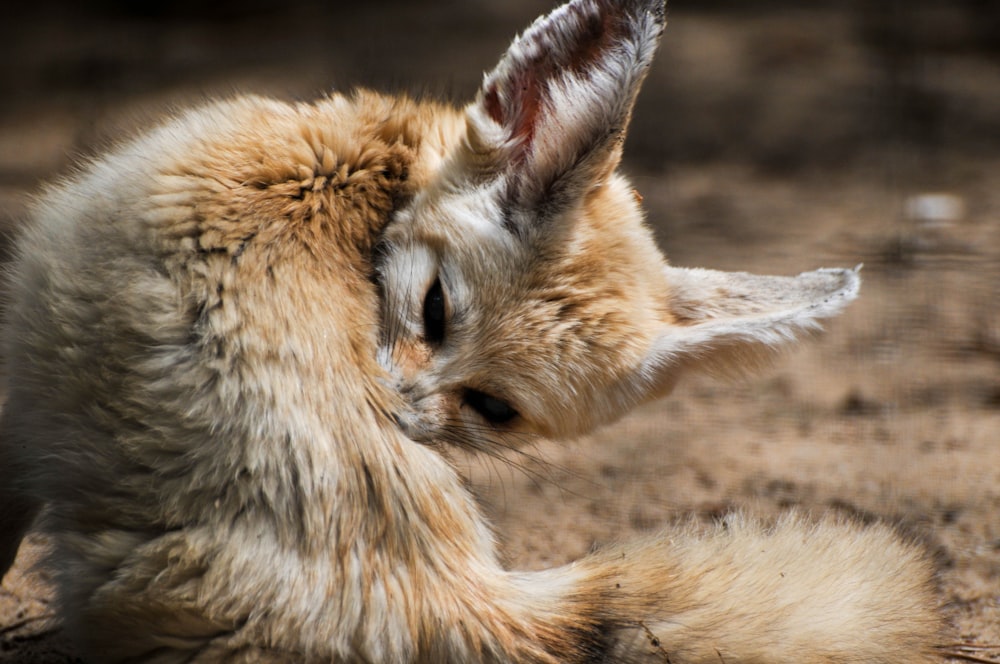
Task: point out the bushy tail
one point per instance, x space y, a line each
797 591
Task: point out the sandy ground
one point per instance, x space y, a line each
775 140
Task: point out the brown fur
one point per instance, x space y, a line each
230 407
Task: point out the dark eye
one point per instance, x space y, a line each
434 314
493 410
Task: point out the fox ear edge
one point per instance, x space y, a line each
730 323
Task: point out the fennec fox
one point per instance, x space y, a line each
240 346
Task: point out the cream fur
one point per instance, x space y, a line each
232 391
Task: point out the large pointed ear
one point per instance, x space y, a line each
730 322
550 118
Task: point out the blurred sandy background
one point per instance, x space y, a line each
771 136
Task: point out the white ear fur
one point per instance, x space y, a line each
734 321
552 114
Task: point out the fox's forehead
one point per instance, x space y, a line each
461 233
457 215
599 247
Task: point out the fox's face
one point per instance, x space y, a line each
521 291
488 328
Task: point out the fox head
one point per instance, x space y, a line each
522 292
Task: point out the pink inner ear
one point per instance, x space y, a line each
491 100
523 105
577 48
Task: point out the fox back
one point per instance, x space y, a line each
240 345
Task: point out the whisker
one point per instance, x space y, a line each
497 446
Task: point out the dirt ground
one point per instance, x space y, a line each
771 137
